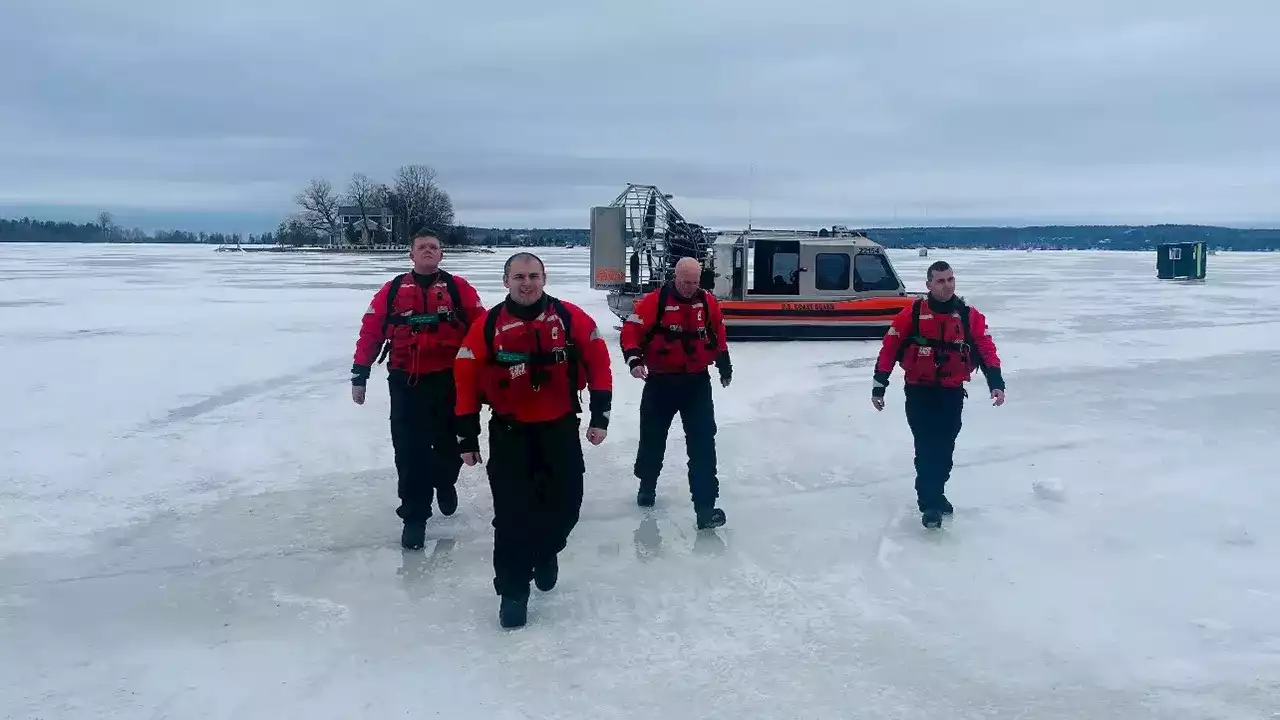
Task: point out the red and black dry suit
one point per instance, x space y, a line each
939 351
422 331
530 364
678 339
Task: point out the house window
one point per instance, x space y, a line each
832 272
1175 253
871 271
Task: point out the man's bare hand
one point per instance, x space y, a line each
639 371
470 458
595 436
877 403
357 394
997 397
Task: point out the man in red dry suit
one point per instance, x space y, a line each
940 341
419 319
529 359
670 340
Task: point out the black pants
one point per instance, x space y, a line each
424 438
690 395
934 416
535 474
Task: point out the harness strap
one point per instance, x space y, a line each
506 358
420 319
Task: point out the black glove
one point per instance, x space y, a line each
724 366
359 375
468 432
881 381
600 404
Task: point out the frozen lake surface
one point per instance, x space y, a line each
197 522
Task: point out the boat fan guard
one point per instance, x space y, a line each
643 229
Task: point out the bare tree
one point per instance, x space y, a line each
320 208
107 222
424 204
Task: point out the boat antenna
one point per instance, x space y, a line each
751 188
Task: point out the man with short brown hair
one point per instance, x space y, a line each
940 341
529 359
419 320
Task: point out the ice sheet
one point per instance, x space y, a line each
196 522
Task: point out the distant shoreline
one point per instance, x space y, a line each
1028 237
491 249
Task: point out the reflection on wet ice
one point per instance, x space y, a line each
416 565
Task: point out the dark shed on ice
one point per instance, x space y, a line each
1181 261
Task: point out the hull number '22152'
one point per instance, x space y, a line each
808 306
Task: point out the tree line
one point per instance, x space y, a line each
104 230
367 212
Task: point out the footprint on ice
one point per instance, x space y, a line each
1049 489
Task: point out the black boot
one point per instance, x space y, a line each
710 518
931 518
546 574
514 611
447 499
648 494
414 534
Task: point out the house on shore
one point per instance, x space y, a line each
365 226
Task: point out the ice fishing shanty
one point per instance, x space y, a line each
1181 261
824 284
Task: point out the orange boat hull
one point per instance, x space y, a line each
865 318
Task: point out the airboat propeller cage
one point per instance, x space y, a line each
637 239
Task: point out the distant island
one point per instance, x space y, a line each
1045 237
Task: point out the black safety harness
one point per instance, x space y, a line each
686 337
941 348
539 361
418 321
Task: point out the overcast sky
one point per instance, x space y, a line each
212 115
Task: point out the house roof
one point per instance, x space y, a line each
370 212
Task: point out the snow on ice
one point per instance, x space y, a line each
197 522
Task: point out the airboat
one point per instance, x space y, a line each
835 284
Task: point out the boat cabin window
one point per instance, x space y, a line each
832 271
777 267
871 271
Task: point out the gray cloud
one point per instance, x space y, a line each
809 112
